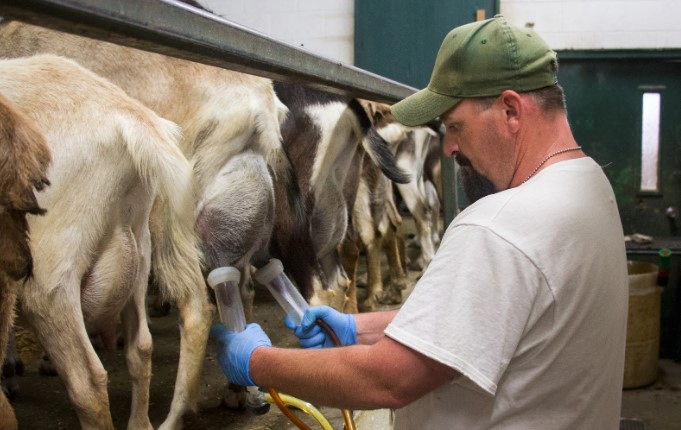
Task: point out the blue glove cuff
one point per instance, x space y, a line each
352 331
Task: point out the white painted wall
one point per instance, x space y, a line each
324 27
600 24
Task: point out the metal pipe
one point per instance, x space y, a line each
173 28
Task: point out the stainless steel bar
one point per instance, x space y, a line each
173 28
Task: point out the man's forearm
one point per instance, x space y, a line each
338 377
385 374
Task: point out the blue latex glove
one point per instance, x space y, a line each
234 350
311 335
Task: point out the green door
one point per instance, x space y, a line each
605 100
399 39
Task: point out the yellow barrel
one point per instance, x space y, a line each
643 326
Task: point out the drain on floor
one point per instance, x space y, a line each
632 424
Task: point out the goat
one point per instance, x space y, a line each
222 113
417 152
231 135
375 227
114 162
322 135
24 159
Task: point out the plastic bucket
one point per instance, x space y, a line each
643 326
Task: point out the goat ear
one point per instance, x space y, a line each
369 107
374 108
25 156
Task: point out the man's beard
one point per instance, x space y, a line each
475 185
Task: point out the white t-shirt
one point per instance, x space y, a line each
527 299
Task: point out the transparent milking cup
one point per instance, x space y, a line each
285 293
225 283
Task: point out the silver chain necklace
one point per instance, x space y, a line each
547 159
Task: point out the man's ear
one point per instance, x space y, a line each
513 109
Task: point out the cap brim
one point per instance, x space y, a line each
422 107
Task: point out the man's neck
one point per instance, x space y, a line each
546 143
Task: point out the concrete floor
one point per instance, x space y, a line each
657 406
42 403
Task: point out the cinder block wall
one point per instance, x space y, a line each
323 27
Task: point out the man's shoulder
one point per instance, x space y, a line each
552 203
484 211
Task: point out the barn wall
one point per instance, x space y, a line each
325 28
328 27
600 24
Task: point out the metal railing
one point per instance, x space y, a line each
173 28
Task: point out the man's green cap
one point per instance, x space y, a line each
480 59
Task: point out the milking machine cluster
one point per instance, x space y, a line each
225 283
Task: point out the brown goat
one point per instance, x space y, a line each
24 158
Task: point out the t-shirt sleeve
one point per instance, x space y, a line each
472 305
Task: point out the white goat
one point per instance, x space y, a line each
112 159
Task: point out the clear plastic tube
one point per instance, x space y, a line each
285 293
225 283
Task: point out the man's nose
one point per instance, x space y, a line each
449 147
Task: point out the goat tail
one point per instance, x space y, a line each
268 124
175 255
376 147
379 152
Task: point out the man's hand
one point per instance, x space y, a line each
311 335
234 350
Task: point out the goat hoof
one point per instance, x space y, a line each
368 305
415 266
391 297
234 397
400 285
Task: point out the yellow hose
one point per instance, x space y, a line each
347 418
280 400
304 406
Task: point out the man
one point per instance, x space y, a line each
519 322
